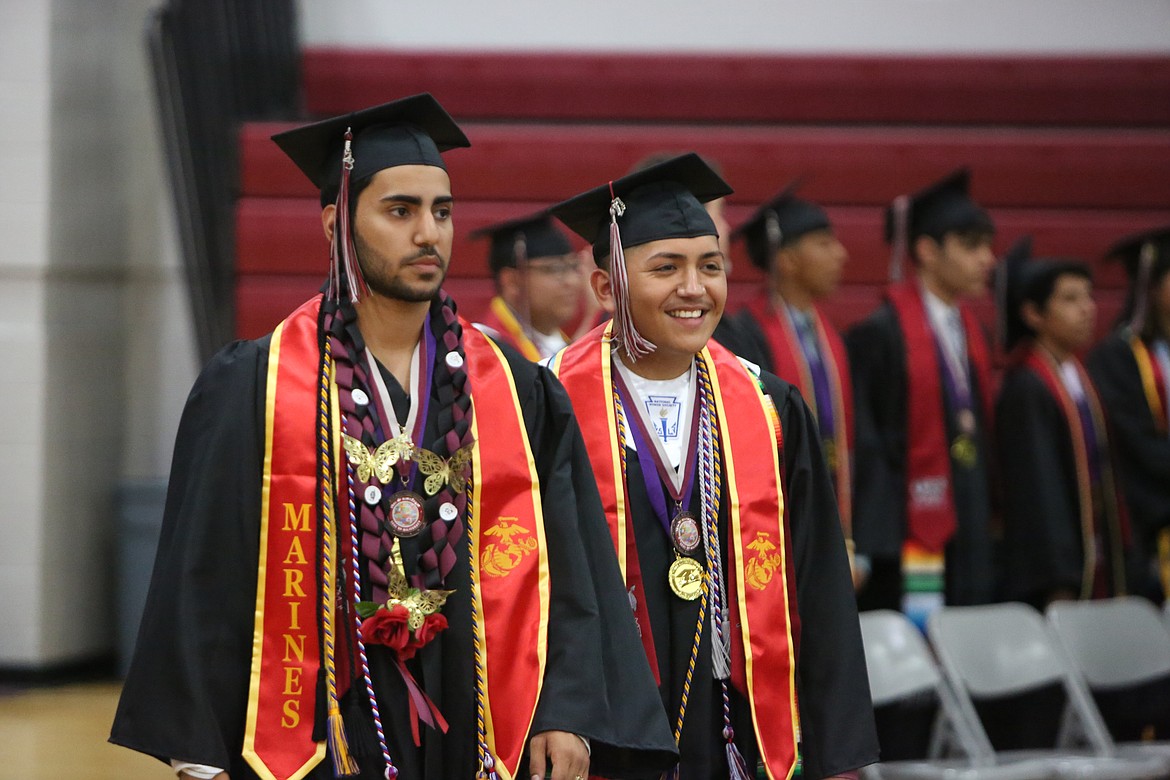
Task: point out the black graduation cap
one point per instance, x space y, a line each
1146 257
661 201
938 209
778 223
531 236
410 131
1024 278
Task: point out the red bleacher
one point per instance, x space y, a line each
1074 151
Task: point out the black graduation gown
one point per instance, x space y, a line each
742 334
832 687
877 361
1142 454
1043 546
186 693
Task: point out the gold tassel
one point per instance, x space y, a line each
344 764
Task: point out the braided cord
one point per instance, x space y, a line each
487 764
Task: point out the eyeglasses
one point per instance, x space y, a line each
555 267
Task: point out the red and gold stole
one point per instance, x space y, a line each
930 506
502 320
764 649
1153 383
509 557
791 364
1040 362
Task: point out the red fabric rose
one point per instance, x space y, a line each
388 627
430 628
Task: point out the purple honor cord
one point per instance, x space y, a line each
652 464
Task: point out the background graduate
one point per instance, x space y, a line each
1065 533
784 331
357 574
922 392
1131 370
538 281
720 506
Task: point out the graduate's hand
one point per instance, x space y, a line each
565 752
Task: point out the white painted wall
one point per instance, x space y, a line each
96 350
776 26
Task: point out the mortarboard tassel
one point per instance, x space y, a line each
342 254
625 334
899 250
1141 287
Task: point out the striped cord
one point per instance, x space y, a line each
487 764
355 544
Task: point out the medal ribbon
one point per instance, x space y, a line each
652 457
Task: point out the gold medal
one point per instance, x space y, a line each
686 578
963 450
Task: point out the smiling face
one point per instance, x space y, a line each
403 231
678 288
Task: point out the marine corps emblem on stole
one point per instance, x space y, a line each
763 563
513 543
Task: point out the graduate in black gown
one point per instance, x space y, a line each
1065 532
1131 369
417 451
719 502
922 497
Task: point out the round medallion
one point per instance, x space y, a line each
359 397
454 360
686 578
684 532
830 448
963 450
448 511
373 495
405 513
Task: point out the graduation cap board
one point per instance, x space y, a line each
940 208
334 152
778 223
411 131
1146 257
524 238
659 202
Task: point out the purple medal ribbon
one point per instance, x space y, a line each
957 388
651 463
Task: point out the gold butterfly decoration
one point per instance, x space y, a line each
419 603
379 462
444 471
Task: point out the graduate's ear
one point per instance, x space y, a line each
602 288
926 252
508 284
327 215
785 261
1032 316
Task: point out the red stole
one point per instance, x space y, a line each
1153 383
509 561
1042 364
764 649
930 512
790 364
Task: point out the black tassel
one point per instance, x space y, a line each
320 716
359 726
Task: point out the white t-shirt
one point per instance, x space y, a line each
666 406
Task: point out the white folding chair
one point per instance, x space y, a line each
1115 644
1002 650
901 667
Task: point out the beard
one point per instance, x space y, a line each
375 267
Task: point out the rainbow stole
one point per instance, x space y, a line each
764 649
501 319
1153 383
1043 366
509 557
791 365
